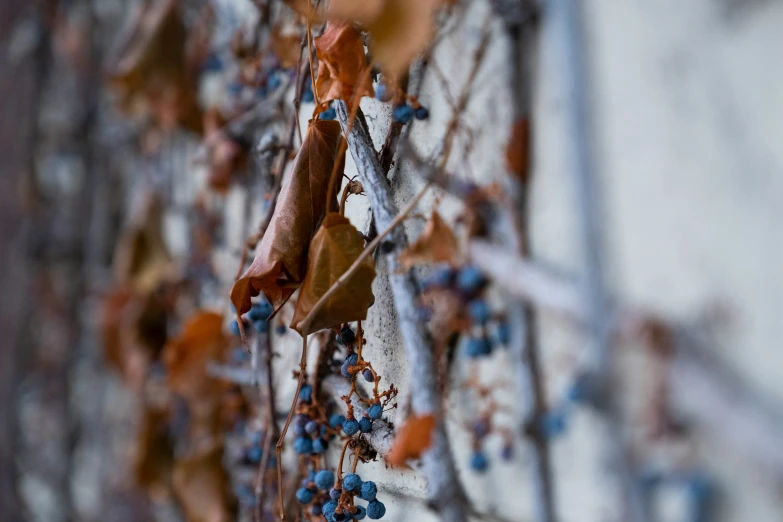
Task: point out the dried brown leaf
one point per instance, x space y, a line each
333 250
155 450
281 262
202 487
186 357
286 46
400 29
342 68
436 244
411 440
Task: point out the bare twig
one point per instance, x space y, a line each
569 20
445 492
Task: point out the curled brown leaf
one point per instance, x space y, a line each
333 250
343 72
281 262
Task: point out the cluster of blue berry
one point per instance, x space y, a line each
258 316
403 112
469 284
334 498
312 433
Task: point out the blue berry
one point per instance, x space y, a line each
368 491
344 370
254 454
376 509
328 508
306 393
382 92
320 445
350 426
301 420
273 81
347 335
479 347
479 311
479 461
402 114
335 493
352 481
299 431
328 114
304 496
553 423
303 445
312 426
365 425
351 360
368 376
360 513
470 280
336 420
375 411
261 326
255 313
504 332
307 94
324 479
315 509
281 329
422 113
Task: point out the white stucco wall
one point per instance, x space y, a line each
689 110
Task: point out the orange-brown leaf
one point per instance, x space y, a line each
400 29
342 68
202 487
286 46
518 149
186 357
436 244
154 451
281 262
333 250
411 440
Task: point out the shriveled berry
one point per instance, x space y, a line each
375 411
368 376
324 479
352 482
335 493
281 329
315 509
376 510
350 426
368 491
303 446
365 425
301 420
306 393
479 461
304 496
347 335
336 420
422 113
402 114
